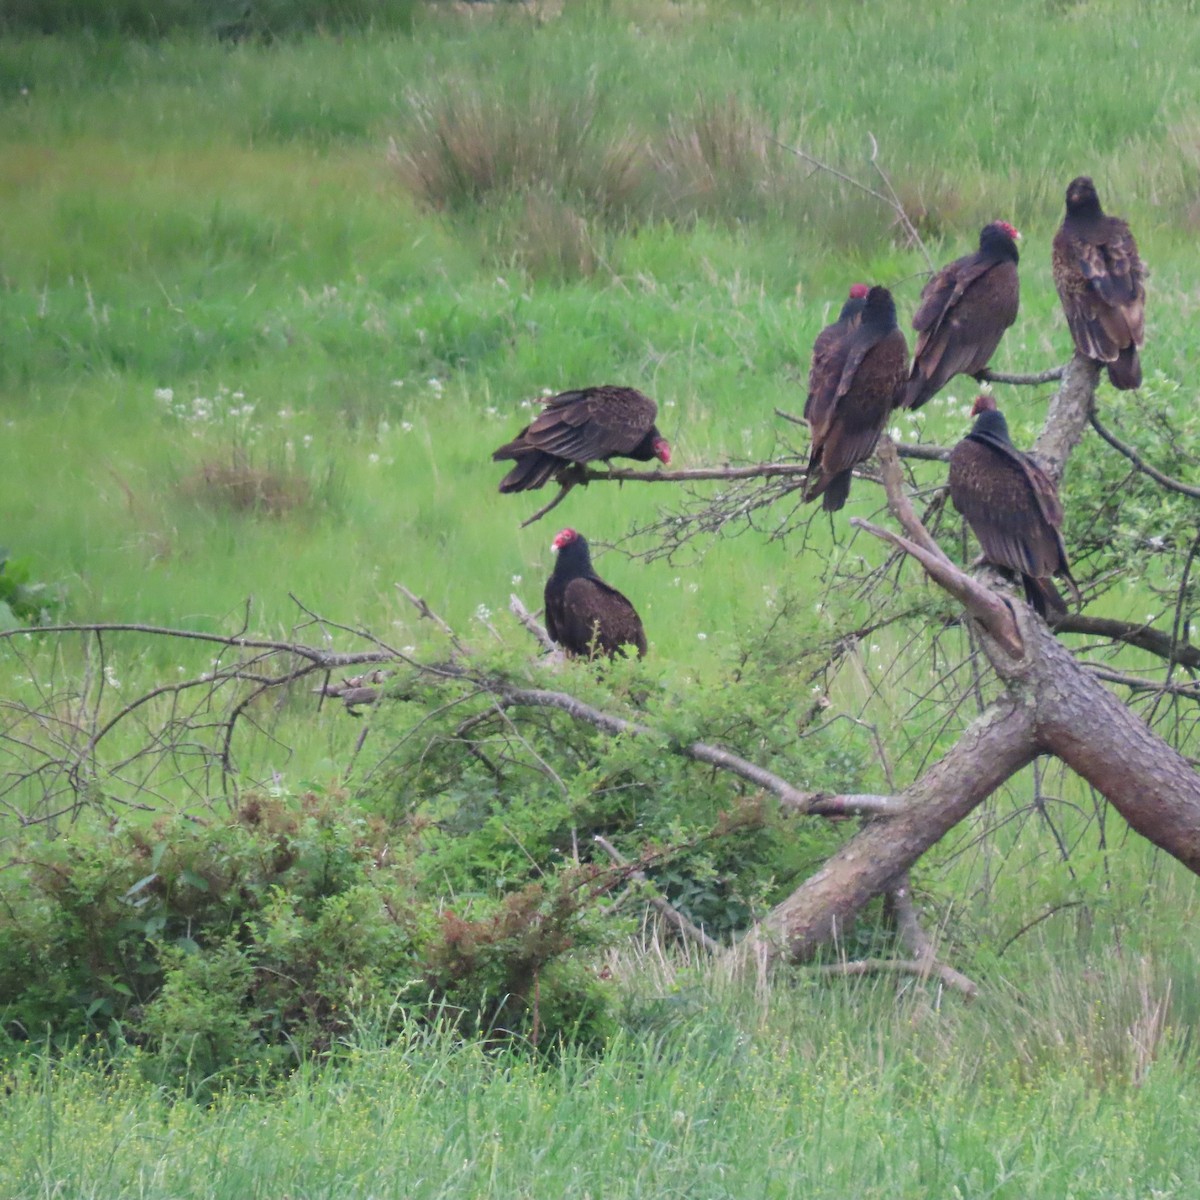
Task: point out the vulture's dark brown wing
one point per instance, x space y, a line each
871 378
964 312
592 423
828 359
1011 505
589 616
1100 280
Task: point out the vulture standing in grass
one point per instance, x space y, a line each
584 615
1012 506
590 424
848 412
1100 280
829 351
965 309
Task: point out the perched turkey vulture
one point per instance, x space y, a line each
1100 277
584 615
965 309
1012 506
586 425
829 351
866 375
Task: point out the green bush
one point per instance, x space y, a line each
22 600
231 951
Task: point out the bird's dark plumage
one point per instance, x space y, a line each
1101 282
965 309
829 353
587 425
858 385
1012 505
584 615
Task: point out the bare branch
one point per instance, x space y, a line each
891 201
1032 380
428 614
792 798
564 488
1173 485
1139 684
533 626
918 943
923 451
900 966
897 207
1144 637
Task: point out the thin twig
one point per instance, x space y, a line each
563 489
1134 457
892 202
686 929
430 615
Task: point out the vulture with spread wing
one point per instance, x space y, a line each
965 309
586 425
584 615
1012 505
1100 280
859 385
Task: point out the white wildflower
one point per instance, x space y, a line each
372 459
110 677
397 383
516 580
483 613
406 426
702 637
164 395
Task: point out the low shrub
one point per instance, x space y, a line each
230 951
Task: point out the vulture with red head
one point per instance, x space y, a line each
829 351
965 309
1012 505
584 615
1100 280
861 383
587 425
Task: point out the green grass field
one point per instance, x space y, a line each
266 310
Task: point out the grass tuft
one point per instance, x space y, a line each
236 484
467 148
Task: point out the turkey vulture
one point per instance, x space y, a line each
581 427
1012 506
829 350
584 615
1099 277
965 309
866 375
